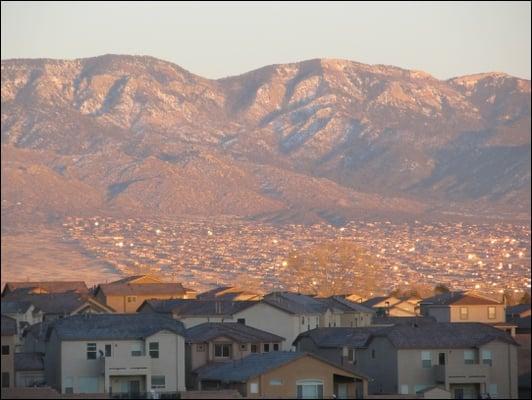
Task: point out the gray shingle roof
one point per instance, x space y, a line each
9 326
114 326
375 300
248 367
50 287
193 307
517 309
226 293
15 306
403 320
340 337
444 335
29 361
346 305
142 289
240 333
464 298
295 303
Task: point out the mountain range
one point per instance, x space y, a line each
322 139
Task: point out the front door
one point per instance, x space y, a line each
134 387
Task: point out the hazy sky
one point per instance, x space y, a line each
216 40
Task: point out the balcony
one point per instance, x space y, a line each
127 366
461 373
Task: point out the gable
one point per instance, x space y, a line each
145 279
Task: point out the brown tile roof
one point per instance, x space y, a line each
142 289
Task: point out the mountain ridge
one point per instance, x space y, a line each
322 124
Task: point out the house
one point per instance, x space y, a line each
466 359
29 369
229 293
17 288
393 306
115 353
352 314
126 295
222 342
25 315
9 333
194 312
519 315
284 375
466 306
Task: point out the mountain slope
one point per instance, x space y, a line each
311 140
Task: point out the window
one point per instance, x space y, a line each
404 389
309 389
131 299
91 351
154 349
275 382
469 357
464 313
241 321
136 350
492 312
254 348
351 355
5 379
426 359
441 359
158 382
69 385
254 388
266 348
302 320
222 350
243 347
5 350
486 357
108 350
276 347
373 353
492 390
200 347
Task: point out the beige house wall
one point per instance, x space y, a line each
479 314
8 361
289 374
121 305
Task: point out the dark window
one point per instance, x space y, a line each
200 347
222 350
276 347
241 321
5 350
266 347
5 379
108 350
154 349
243 347
373 353
441 359
253 348
91 351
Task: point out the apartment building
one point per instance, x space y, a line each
467 359
127 295
115 353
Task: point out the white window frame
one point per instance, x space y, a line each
254 388
426 356
494 312
136 348
487 355
464 316
467 358
158 386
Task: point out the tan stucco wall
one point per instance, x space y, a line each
478 314
120 304
8 361
289 374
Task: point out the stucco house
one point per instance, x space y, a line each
115 353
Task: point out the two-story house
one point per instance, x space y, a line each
127 295
467 306
348 313
9 333
115 353
210 343
466 360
